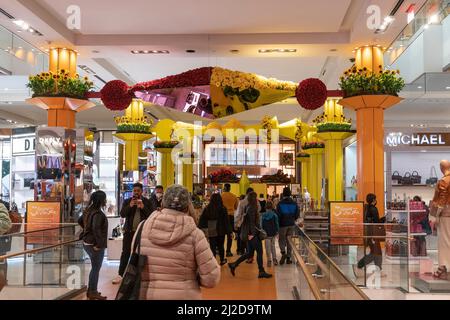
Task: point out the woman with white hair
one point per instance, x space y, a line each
179 259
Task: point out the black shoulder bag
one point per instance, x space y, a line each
131 283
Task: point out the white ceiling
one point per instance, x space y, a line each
203 16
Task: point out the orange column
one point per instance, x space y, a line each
370 137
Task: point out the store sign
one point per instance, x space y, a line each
347 223
395 139
43 215
24 145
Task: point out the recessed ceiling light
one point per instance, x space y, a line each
234 50
190 50
95 51
412 125
333 50
447 88
19 31
277 50
419 87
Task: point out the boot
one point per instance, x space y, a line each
288 260
264 274
232 267
95 296
275 262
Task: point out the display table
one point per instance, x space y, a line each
114 248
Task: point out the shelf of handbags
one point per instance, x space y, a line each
413 179
407 220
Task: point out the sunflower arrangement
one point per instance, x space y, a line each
126 125
341 124
363 81
299 132
61 84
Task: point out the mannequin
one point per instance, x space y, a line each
440 212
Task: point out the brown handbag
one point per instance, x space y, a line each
16 221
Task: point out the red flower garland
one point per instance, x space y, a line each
115 95
311 93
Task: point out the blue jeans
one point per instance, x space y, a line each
96 263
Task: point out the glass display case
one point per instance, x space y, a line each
107 175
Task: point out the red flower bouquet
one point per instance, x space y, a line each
311 93
223 175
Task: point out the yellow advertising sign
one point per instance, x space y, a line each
347 223
43 215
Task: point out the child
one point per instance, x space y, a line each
271 226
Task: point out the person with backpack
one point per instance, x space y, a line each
288 212
250 230
214 219
95 238
271 226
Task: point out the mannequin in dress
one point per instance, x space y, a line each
440 210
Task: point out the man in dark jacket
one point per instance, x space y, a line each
288 212
156 198
134 210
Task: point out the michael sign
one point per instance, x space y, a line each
395 139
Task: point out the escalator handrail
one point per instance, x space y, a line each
37 250
309 278
61 226
357 289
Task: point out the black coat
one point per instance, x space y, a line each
128 212
95 228
250 223
221 216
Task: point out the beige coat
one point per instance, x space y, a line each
178 258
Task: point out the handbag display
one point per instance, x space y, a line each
416 179
433 179
396 178
407 180
131 283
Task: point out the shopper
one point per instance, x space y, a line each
262 202
214 219
371 216
134 210
231 202
288 212
95 236
250 230
238 219
179 259
5 242
271 225
156 198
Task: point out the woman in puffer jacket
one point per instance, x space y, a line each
179 259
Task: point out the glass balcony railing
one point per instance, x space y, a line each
41 264
431 13
18 57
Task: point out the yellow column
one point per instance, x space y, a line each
334 163
187 164
167 167
304 171
315 173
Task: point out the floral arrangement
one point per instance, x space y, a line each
267 125
115 95
61 84
165 144
313 145
126 125
302 155
311 93
279 177
357 82
241 80
338 124
223 175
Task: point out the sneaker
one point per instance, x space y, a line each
269 264
229 254
224 261
275 262
117 280
288 261
95 296
265 275
283 258
232 267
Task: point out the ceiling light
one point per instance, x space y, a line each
426 26
18 22
447 88
234 50
389 19
412 126
434 18
19 31
419 87
277 50
190 50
